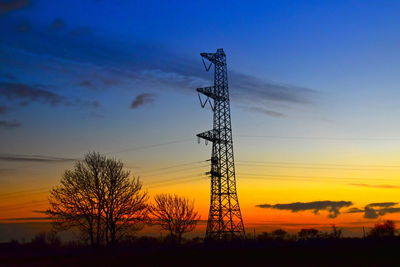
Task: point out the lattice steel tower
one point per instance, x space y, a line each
225 218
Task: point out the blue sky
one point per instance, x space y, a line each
319 68
114 76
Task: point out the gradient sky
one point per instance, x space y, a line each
314 91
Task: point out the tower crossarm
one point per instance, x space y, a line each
215 57
209 91
209 56
211 135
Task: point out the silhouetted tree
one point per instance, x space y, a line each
46 238
264 236
381 230
174 214
308 233
336 233
279 234
99 198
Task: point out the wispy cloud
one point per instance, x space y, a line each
333 207
7 6
9 124
264 111
3 110
24 26
39 211
377 186
86 83
33 158
57 24
26 94
142 99
254 90
26 219
145 63
8 76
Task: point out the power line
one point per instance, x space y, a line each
25 191
33 192
173 171
166 182
150 146
174 179
108 153
22 205
320 164
317 177
311 167
173 166
44 189
180 182
319 138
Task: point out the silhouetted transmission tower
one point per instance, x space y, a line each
225 218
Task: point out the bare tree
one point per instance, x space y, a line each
125 206
175 214
99 198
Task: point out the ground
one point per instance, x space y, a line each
340 252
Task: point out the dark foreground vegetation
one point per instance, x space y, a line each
152 252
308 248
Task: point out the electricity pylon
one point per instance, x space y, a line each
224 219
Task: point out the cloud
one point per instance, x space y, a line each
57 24
26 94
70 56
39 211
7 171
141 100
87 103
333 207
252 89
7 6
86 83
354 210
3 110
8 76
77 32
33 158
377 186
375 210
27 219
264 111
9 124
381 204
146 64
24 26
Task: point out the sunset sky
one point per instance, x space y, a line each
315 103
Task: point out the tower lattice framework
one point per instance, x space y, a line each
224 219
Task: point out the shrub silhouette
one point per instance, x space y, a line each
279 234
382 230
305 234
